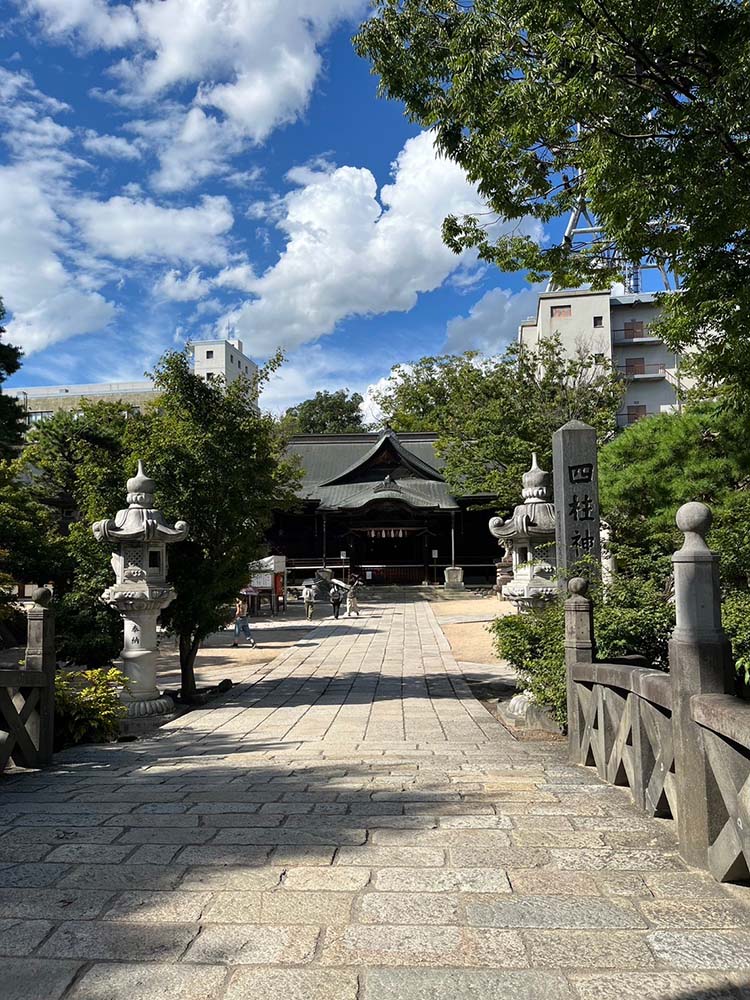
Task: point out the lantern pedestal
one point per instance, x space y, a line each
139 611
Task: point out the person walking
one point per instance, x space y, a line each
352 604
241 626
335 601
308 596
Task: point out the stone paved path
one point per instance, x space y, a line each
350 825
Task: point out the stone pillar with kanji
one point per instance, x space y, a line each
140 536
576 487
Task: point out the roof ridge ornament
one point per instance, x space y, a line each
140 488
535 483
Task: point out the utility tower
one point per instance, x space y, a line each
583 230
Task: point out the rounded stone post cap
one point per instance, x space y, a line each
578 586
42 596
694 518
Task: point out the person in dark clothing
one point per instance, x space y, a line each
335 601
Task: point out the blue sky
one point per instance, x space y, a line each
182 169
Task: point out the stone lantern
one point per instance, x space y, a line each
529 536
139 559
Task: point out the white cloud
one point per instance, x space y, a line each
186 289
312 368
350 253
113 146
129 229
48 302
240 68
49 284
239 276
191 146
95 22
492 322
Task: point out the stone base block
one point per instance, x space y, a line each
130 726
153 706
521 714
454 578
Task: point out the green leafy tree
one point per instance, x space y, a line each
326 413
491 413
11 411
640 110
77 465
219 465
653 467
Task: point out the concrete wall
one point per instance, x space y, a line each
228 359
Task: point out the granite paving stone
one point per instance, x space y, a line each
31 876
316 879
408 908
652 986
175 906
700 949
552 911
689 913
128 981
20 937
443 984
36 978
588 949
485 880
92 940
348 823
53 904
254 944
119 877
293 984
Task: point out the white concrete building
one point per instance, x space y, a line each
210 357
617 327
222 357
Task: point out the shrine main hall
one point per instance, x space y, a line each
378 505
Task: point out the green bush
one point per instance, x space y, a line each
735 615
87 706
631 617
533 644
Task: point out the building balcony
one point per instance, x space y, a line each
623 338
643 371
626 419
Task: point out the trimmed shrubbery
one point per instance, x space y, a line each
631 617
87 706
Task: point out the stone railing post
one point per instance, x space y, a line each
40 655
700 662
579 648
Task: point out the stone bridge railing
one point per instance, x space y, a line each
680 741
27 693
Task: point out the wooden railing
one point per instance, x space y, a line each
27 693
679 741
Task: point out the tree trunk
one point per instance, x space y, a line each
188 651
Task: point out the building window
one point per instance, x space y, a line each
635 366
598 321
560 312
38 416
231 359
633 329
636 413
209 355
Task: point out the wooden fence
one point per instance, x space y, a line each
27 693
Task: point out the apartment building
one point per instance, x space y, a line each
618 327
210 357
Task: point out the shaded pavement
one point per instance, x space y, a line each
350 824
